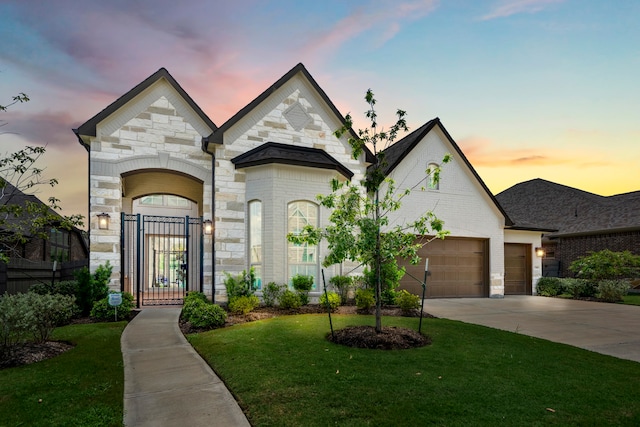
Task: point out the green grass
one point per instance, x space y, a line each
631 299
82 387
284 373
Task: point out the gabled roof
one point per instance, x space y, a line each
568 210
394 154
14 196
217 136
89 127
273 152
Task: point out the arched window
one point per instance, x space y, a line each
433 176
255 240
302 259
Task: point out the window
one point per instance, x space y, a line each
433 176
60 245
165 200
303 258
255 240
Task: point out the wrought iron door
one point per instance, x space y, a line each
161 258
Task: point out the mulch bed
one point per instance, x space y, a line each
391 338
28 353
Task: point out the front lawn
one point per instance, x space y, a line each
284 373
631 299
81 387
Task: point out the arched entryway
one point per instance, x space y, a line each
161 236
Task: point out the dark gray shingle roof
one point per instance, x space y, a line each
544 204
273 152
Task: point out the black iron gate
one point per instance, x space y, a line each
161 258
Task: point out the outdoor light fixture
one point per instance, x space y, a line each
539 252
103 221
208 226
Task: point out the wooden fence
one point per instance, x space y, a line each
19 274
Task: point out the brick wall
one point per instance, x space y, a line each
569 249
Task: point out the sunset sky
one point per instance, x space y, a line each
527 88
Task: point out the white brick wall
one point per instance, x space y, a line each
460 201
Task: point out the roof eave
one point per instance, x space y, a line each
89 127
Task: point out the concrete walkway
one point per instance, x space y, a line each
604 328
166 383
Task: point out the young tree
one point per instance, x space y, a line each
22 216
360 230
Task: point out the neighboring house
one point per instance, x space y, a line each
165 173
579 222
32 261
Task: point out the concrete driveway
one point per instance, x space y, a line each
612 329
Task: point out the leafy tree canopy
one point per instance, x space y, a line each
359 229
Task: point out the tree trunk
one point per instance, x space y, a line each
378 269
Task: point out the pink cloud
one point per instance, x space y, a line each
385 17
513 7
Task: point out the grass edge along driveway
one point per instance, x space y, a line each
284 373
81 387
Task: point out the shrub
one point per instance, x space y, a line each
201 313
104 312
191 301
606 264
92 288
271 293
207 315
65 287
549 286
578 287
330 298
31 317
408 302
41 288
16 321
50 311
193 295
612 290
388 296
243 304
365 299
342 284
289 299
390 275
302 284
244 284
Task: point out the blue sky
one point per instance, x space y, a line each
527 88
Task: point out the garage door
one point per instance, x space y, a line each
459 268
517 269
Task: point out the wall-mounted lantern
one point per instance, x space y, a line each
208 227
103 221
539 252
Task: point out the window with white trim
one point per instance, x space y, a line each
255 240
302 258
433 175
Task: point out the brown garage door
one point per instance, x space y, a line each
517 269
459 268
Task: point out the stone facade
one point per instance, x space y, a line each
143 138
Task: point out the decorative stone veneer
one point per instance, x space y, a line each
234 188
161 135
